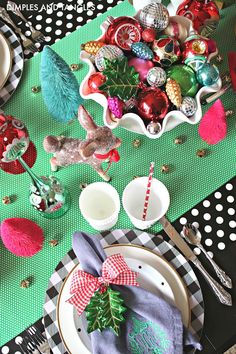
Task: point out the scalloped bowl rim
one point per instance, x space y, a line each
132 121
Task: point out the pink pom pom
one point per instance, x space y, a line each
21 236
213 126
116 106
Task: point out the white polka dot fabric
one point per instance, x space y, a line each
215 217
59 18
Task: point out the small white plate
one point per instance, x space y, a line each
155 275
5 60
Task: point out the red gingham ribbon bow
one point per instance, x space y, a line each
114 271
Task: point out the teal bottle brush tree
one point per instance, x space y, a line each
59 85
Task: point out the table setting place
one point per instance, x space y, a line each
117 121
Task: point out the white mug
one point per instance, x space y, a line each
99 204
133 200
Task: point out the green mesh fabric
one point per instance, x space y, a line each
190 180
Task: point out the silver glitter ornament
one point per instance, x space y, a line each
154 128
154 15
156 77
188 106
110 52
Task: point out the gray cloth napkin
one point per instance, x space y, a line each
152 325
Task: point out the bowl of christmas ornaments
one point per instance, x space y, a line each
148 72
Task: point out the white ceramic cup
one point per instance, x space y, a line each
100 205
134 197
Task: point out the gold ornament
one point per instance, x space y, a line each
201 153
92 47
35 89
83 186
178 141
229 112
165 168
74 67
173 91
53 243
6 200
226 77
136 143
24 283
219 58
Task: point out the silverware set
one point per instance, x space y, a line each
191 234
34 342
37 36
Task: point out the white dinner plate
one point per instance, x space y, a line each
5 60
155 275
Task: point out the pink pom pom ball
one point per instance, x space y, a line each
21 236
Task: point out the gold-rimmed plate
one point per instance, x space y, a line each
5 60
155 275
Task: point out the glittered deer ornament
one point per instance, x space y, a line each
100 145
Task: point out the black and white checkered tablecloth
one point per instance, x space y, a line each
155 243
17 63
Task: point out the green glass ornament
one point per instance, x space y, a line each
47 194
186 78
208 74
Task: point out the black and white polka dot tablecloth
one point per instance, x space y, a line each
215 216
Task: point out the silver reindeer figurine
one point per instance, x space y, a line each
100 145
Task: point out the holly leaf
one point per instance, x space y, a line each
105 311
122 79
94 313
113 310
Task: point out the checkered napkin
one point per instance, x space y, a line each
152 325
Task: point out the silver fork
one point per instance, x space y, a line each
39 341
36 35
27 43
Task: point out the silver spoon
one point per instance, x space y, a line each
193 236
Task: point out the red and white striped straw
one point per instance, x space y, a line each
145 208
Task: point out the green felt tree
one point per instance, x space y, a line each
122 79
105 310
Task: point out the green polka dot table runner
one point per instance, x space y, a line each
189 180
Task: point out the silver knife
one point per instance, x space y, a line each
223 296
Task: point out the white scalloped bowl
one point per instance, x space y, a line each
132 121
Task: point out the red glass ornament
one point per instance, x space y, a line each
202 13
166 50
153 104
123 32
15 167
13 133
195 46
149 35
96 80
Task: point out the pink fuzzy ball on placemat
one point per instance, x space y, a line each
21 236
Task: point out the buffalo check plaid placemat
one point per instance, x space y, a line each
136 237
17 64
